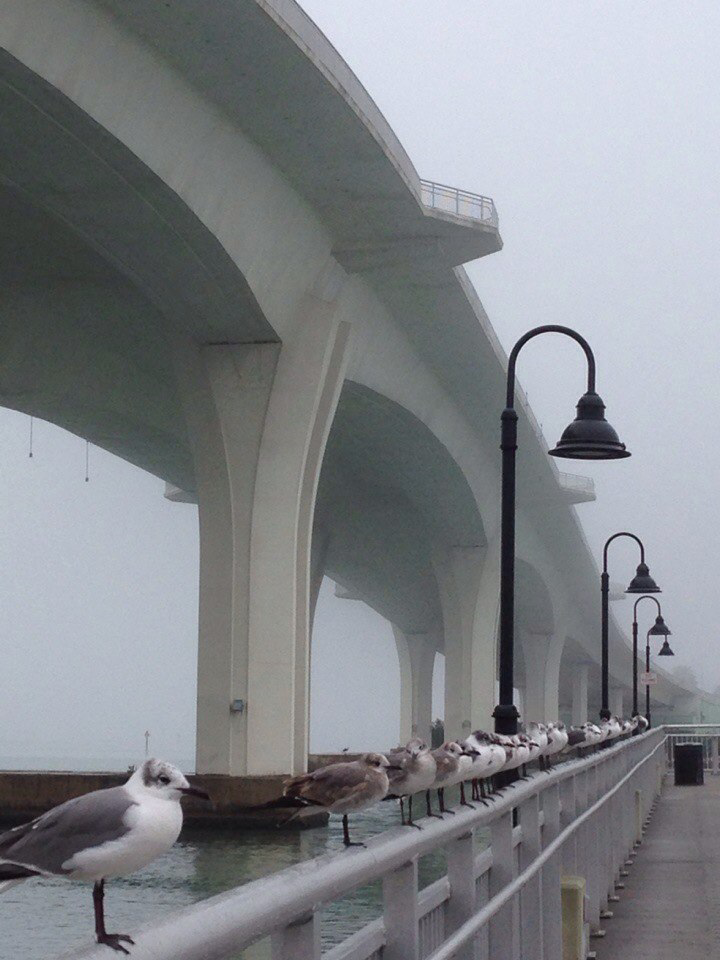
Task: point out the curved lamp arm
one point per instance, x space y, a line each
622 533
548 328
646 596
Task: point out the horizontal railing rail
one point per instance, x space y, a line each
440 196
581 818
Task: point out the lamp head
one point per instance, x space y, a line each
590 436
642 582
665 650
660 628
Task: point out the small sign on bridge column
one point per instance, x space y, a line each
648 679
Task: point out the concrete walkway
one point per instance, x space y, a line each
671 905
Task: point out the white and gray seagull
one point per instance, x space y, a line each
106 833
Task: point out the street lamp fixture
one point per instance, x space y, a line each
658 629
588 437
642 582
665 650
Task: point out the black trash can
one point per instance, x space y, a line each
688 761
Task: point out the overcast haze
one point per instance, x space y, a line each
594 126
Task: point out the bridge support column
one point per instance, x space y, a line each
416 653
542 655
580 693
617 701
468 578
258 416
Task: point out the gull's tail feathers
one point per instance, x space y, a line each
12 874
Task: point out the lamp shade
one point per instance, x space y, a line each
642 582
665 650
660 628
590 436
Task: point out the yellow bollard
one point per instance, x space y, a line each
573 918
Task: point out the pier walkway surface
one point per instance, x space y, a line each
670 907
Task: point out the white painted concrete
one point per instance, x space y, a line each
201 267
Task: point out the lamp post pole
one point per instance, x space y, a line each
642 582
647 685
589 437
660 629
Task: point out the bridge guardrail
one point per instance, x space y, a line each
581 819
440 196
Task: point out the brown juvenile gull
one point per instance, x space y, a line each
106 833
339 788
413 771
452 764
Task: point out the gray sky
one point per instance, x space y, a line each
595 128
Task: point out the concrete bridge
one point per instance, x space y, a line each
220 264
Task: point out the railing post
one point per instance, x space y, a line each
569 811
298 941
530 919
501 933
400 912
461 876
715 757
591 845
550 878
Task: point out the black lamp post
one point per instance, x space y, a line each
665 651
588 437
642 582
658 629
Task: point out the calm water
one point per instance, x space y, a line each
41 919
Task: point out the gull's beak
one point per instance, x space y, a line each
471 753
194 792
392 766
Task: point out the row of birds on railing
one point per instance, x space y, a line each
351 786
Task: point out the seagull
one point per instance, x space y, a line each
538 732
452 763
345 787
417 770
106 833
558 737
642 723
577 737
492 755
586 735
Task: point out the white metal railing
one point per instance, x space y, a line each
579 489
462 202
581 819
708 734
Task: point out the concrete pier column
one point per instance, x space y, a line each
416 653
542 654
468 579
580 693
617 701
258 417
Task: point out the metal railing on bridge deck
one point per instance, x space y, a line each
708 734
462 202
503 901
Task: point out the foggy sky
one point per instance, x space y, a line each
594 126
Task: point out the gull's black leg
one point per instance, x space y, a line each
410 821
346 834
441 799
463 801
429 806
114 940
